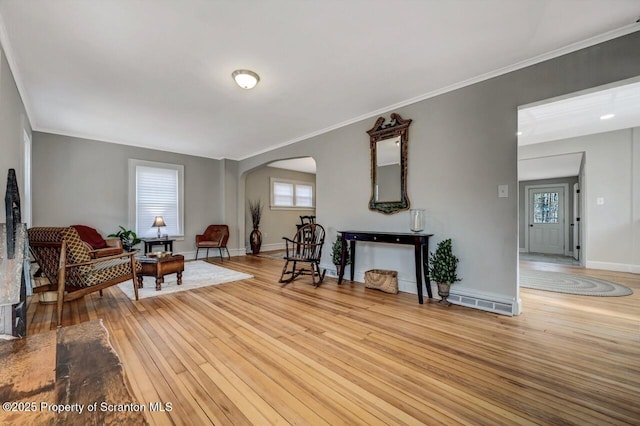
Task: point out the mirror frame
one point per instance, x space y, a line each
380 131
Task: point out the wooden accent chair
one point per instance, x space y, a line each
65 260
305 248
215 236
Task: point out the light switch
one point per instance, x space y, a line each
503 191
600 201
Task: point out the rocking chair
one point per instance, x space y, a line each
305 247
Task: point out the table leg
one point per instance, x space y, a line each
425 267
352 247
343 258
140 281
159 283
418 260
179 277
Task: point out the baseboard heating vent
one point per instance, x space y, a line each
485 305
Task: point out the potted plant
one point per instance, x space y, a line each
336 254
128 238
442 268
255 238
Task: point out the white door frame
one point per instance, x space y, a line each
565 208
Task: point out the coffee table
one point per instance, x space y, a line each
159 267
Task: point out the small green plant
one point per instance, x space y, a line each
128 237
443 264
336 252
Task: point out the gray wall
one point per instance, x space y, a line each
568 199
81 181
462 145
13 121
274 224
611 171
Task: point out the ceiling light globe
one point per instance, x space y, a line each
245 78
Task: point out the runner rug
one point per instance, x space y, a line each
196 274
572 284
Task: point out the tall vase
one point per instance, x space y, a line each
255 239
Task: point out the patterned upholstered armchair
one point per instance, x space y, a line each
65 260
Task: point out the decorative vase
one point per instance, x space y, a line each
255 239
443 292
417 220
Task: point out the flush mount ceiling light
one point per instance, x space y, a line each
245 78
607 116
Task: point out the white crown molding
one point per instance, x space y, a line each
610 35
628 29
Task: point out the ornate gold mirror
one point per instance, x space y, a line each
388 144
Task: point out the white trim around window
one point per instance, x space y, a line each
156 189
287 194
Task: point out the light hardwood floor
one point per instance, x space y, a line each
257 352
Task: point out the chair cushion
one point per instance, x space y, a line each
208 243
76 249
90 236
109 270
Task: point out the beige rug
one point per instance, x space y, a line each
572 284
196 274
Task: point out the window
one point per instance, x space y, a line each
291 194
156 189
545 207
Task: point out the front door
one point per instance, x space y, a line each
546 220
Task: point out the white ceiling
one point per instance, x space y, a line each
580 115
305 165
157 73
549 167
573 116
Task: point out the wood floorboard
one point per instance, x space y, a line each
259 352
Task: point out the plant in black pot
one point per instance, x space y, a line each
442 268
336 254
128 237
255 238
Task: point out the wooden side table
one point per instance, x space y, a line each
158 267
150 242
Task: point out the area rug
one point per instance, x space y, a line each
196 274
572 284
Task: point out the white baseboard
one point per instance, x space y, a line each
465 297
271 247
191 255
523 250
610 266
485 301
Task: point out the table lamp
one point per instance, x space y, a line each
158 222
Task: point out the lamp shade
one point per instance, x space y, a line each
245 78
158 221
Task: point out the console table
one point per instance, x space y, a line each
150 242
419 241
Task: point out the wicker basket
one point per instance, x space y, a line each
381 279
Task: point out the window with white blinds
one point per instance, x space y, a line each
291 194
157 191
